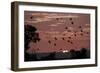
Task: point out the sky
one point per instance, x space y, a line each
59 31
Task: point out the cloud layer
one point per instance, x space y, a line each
66 30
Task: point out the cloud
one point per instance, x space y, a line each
37 20
56 15
63 16
87 25
70 28
86 29
42 17
53 25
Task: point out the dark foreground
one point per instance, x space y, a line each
72 54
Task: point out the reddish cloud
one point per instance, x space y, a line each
71 30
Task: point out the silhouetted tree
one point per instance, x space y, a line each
30 57
30 36
83 53
77 54
72 54
51 56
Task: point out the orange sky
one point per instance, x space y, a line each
71 30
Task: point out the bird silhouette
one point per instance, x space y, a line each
80 26
81 30
54 44
60 48
70 18
71 42
72 22
57 19
87 32
64 34
66 27
68 40
49 42
74 34
31 17
55 38
81 34
69 37
63 38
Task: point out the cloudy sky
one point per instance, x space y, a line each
59 31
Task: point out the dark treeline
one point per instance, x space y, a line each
72 54
82 53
